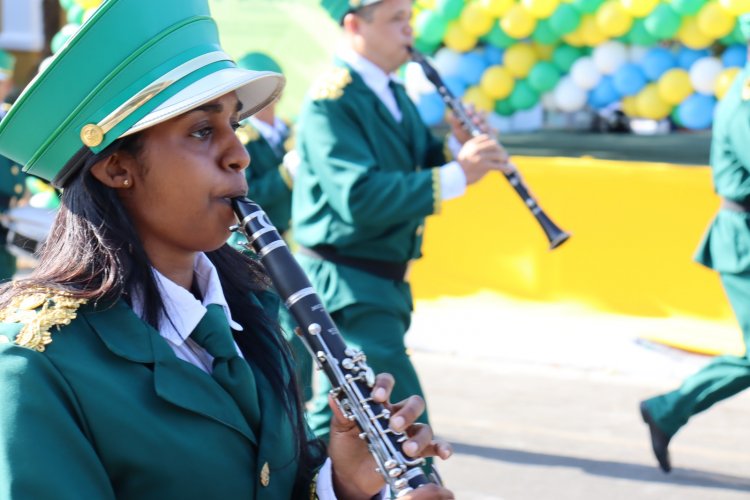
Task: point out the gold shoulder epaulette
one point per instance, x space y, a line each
331 84
247 133
40 310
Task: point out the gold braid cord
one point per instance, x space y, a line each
39 311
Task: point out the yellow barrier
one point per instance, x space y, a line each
635 227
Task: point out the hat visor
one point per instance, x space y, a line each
255 90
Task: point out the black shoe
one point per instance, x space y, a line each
659 440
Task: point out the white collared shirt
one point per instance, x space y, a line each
185 312
452 177
271 133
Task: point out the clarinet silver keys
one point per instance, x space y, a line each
352 380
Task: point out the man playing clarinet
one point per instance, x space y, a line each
370 173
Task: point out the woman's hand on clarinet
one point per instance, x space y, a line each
354 474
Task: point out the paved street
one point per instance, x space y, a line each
540 402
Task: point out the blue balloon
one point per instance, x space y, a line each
493 55
431 108
456 85
697 111
628 79
734 56
656 62
687 56
604 93
471 66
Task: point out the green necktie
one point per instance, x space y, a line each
230 370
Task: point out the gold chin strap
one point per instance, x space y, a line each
92 135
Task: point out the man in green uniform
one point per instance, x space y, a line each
11 177
370 173
270 178
724 249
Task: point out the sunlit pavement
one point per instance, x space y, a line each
540 402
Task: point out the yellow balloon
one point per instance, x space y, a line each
639 8
590 32
714 20
649 104
575 38
544 52
519 59
674 86
518 22
475 20
496 7
458 39
613 19
725 80
497 82
481 101
540 9
692 36
88 4
628 106
736 7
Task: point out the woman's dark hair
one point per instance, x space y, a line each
94 252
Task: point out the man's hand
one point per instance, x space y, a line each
481 154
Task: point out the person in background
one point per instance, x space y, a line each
370 172
270 178
724 249
12 179
141 359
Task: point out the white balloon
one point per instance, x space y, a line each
447 61
636 52
703 74
548 101
609 56
415 81
569 96
585 74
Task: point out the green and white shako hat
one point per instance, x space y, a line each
7 62
132 65
340 8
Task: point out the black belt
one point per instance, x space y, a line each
735 206
394 271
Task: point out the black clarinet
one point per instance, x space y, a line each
346 368
555 235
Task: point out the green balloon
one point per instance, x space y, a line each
639 35
450 9
430 26
544 34
675 116
565 19
736 36
503 107
543 76
687 7
663 22
75 14
66 4
523 96
425 47
498 38
564 56
587 6
61 37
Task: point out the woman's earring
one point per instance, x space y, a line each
126 183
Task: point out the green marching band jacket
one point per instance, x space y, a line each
726 246
95 404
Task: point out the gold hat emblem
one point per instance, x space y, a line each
92 135
265 475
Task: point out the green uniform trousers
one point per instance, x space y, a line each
379 332
722 378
